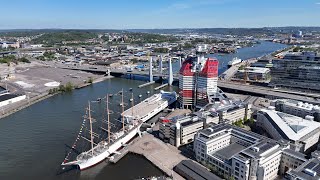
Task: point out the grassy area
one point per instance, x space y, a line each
54 38
47 56
62 88
13 59
141 38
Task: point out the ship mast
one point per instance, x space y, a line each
108 118
91 136
122 104
132 104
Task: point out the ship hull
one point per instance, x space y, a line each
160 106
234 62
156 111
113 148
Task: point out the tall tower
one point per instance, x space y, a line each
170 79
198 78
150 70
161 64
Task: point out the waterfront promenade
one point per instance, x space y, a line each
164 156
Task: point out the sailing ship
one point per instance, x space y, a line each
99 151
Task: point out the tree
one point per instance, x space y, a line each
161 50
51 91
296 49
90 80
62 88
68 87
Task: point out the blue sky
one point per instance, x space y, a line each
126 14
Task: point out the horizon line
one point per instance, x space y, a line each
158 28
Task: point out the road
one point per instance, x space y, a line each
265 91
273 93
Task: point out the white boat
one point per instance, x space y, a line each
102 150
234 61
150 106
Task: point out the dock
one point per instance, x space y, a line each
162 86
146 84
162 155
124 151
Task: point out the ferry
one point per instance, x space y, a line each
234 61
150 106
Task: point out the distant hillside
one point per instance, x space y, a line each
231 31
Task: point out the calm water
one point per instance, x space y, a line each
33 139
243 53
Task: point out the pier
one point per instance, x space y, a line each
160 87
115 158
146 84
162 155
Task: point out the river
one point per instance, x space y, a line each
33 140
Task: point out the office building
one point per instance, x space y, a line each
290 159
297 108
227 111
310 170
233 151
253 74
180 130
297 70
302 133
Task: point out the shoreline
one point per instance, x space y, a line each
27 103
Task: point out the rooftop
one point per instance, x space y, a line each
5 97
295 128
258 146
191 170
299 104
230 150
224 105
295 154
313 166
255 70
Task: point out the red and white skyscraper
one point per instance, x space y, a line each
198 79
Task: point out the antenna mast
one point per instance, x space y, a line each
132 104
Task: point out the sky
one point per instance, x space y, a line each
149 14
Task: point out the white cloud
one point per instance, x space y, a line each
179 6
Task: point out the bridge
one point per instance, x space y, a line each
235 86
270 92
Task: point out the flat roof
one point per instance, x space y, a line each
295 128
230 150
312 164
255 70
263 146
227 127
5 97
295 154
191 170
298 104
